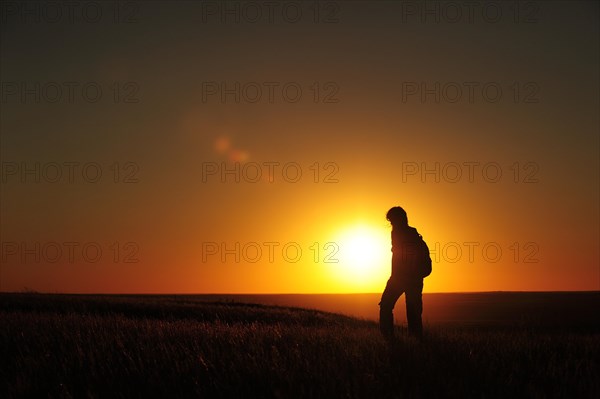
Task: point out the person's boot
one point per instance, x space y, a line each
415 329
386 324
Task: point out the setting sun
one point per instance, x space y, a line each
363 256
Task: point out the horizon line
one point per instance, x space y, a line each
285 293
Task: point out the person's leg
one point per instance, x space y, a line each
414 308
386 306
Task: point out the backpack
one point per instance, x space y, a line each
424 258
412 254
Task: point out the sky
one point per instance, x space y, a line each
255 147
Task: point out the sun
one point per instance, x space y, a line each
364 256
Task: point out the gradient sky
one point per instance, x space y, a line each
366 119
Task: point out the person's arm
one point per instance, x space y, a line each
397 241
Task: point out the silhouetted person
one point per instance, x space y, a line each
409 267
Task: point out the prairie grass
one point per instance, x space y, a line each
72 346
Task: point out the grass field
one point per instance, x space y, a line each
167 346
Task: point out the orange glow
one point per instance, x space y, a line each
505 193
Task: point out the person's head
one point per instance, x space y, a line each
397 217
